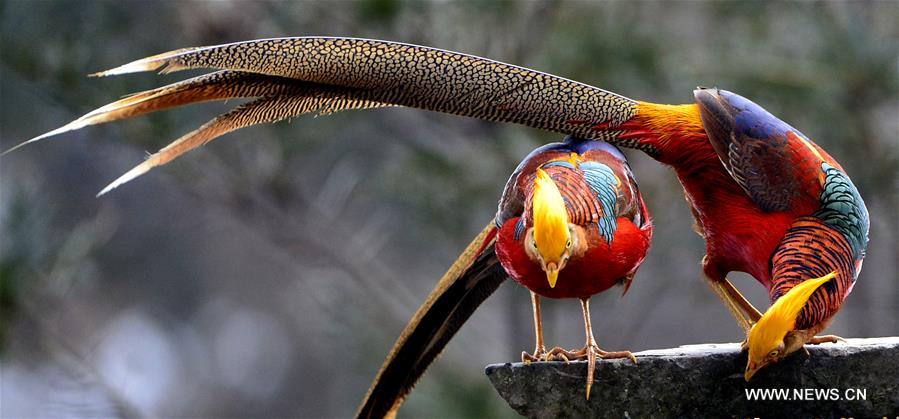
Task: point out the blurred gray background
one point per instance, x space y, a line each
268 274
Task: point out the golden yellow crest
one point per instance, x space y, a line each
780 318
550 218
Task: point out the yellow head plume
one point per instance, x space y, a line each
768 334
551 235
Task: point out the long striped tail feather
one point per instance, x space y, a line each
318 100
356 74
278 98
414 76
473 277
219 85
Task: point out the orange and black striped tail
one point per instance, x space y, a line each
474 276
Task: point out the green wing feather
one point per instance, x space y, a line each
843 209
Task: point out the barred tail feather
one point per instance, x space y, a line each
415 76
474 276
266 109
215 86
347 73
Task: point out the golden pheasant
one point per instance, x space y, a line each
572 224
767 200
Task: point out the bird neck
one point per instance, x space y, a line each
672 134
669 120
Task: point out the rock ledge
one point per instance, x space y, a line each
707 381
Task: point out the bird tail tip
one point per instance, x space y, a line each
71 126
133 67
127 177
162 62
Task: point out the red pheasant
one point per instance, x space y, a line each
572 224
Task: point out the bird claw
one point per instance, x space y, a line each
618 355
590 352
540 355
556 354
527 358
817 340
561 354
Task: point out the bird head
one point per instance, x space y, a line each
766 338
549 242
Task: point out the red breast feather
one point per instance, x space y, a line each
601 267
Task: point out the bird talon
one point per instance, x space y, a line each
562 354
616 355
817 340
540 355
526 358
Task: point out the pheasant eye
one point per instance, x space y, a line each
567 245
773 353
535 245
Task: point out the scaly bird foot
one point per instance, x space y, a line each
540 355
560 354
590 353
817 340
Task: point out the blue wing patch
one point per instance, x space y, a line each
604 184
843 209
519 228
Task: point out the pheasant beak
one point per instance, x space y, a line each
752 368
552 273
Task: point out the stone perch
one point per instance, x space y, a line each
707 381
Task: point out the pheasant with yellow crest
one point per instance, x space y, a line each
767 200
572 224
